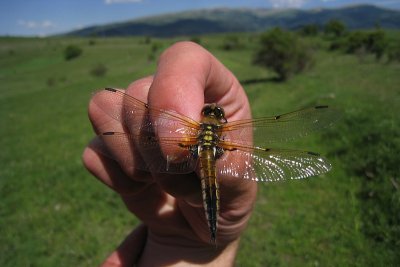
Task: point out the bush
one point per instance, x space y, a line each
370 42
309 30
284 53
72 51
393 52
195 39
338 44
355 41
50 82
231 42
335 28
147 40
99 70
376 43
155 47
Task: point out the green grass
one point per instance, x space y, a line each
53 213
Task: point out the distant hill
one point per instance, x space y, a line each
244 20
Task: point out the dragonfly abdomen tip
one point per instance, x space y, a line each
319 107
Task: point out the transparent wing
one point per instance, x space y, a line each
119 146
262 164
139 147
267 130
135 115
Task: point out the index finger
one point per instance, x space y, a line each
188 76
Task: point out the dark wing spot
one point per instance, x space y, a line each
313 154
110 89
318 107
277 117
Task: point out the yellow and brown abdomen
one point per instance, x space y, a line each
210 190
208 153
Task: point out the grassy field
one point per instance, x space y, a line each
53 213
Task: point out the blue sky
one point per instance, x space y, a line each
45 17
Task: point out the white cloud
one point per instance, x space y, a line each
30 24
109 2
287 3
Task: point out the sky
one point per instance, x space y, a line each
47 17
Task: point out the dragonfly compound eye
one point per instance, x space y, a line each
219 112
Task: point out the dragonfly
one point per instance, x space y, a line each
169 142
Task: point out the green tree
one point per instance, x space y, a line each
355 41
283 52
372 42
309 30
376 43
335 28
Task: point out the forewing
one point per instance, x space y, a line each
267 130
140 118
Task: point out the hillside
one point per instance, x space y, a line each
244 20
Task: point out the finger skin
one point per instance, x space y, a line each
188 76
109 173
130 250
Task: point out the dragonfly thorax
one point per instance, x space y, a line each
208 135
208 139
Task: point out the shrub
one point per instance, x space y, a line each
338 44
376 43
151 57
394 52
283 52
370 42
335 27
355 41
231 42
50 82
195 39
155 47
147 40
72 51
309 30
99 70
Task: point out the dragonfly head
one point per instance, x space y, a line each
214 111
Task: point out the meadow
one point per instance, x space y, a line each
54 213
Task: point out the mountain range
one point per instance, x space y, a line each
221 20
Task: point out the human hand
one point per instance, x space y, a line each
174 229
